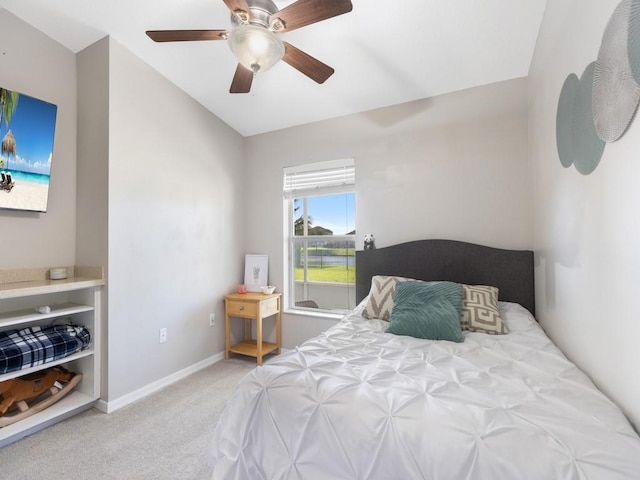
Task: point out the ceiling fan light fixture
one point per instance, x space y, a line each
255 47
254 38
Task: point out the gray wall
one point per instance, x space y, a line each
586 232
33 64
92 213
453 166
175 201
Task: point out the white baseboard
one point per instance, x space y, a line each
118 403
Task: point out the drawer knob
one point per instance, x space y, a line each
241 308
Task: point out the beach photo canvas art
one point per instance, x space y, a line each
27 130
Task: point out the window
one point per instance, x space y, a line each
320 220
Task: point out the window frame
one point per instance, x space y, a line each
344 185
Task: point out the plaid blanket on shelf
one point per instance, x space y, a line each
20 349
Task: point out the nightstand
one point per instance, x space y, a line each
251 306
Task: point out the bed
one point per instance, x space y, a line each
357 402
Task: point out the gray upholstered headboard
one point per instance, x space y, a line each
509 270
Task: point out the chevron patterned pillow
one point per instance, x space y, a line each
480 310
382 296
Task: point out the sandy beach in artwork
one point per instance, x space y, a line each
25 196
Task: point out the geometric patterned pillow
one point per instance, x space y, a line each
381 297
480 310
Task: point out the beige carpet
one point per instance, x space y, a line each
164 436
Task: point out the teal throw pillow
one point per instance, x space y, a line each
428 310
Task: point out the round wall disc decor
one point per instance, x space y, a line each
587 145
564 120
633 40
615 92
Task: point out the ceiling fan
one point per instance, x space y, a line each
254 38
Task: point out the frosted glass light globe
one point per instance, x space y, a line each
256 48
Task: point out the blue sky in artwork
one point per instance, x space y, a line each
33 126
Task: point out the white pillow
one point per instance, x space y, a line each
480 310
382 296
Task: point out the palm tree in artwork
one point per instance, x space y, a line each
8 105
9 102
8 147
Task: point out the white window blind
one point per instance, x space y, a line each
322 178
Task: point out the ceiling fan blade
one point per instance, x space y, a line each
241 80
306 12
235 5
304 63
186 35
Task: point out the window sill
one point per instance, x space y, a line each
319 314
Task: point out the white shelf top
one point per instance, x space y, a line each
40 287
73 402
23 317
27 282
26 371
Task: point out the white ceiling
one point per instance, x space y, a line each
384 52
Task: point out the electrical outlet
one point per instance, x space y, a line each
212 319
163 335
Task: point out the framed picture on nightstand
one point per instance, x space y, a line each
256 270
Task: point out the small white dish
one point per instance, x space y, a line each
58 273
269 289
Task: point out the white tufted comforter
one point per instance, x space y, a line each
357 403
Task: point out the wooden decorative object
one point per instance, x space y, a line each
24 396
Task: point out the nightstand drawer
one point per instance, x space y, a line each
269 307
237 308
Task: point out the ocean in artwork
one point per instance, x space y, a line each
29 177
